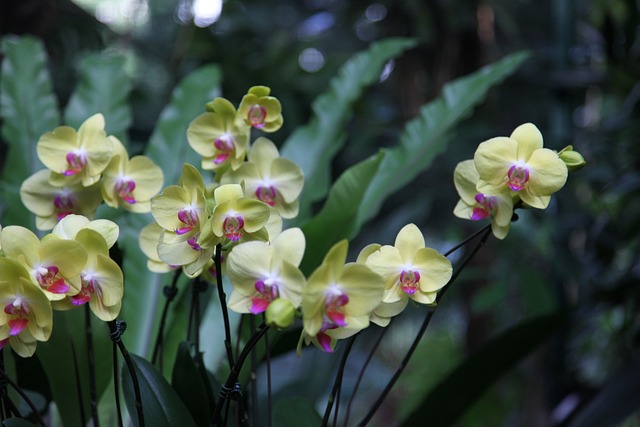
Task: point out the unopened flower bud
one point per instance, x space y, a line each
571 158
281 313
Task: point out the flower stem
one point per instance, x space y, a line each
217 259
170 293
423 328
467 240
337 385
6 379
117 329
116 384
93 394
230 389
76 371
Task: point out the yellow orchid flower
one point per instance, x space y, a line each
70 225
148 241
260 110
477 206
236 216
339 298
102 282
130 183
50 203
269 178
219 137
76 156
261 272
182 211
26 316
520 163
409 269
54 264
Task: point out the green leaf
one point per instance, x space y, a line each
188 384
28 109
314 145
616 402
449 400
426 136
18 422
167 147
297 412
161 406
104 88
338 215
57 358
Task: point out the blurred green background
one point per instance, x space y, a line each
581 86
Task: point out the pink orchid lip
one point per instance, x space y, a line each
76 162
189 217
224 145
325 341
409 281
518 176
51 281
334 311
63 204
486 208
266 194
257 116
19 317
124 188
233 227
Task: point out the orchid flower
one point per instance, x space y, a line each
260 110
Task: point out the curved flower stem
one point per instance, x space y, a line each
467 240
217 259
116 384
93 394
170 293
117 329
76 372
4 377
423 328
337 385
362 371
230 388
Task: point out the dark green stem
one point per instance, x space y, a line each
337 385
93 394
76 371
169 294
5 378
116 384
117 329
229 389
423 328
217 259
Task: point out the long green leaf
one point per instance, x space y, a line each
28 109
616 402
189 386
314 145
57 358
160 404
449 400
338 215
426 136
167 147
296 412
104 88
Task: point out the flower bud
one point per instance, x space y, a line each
571 158
281 313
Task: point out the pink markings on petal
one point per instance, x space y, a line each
189 217
257 115
87 290
409 281
232 227
125 187
267 292
18 317
325 341
266 194
3 343
334 309
224 145
517 177
76 162
487 207
63 204
51 281
193 242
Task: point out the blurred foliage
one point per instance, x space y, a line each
581 87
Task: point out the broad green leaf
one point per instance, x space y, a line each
28 109
426 136
617 401
103 88
297 412
167 147
338 216
188 384
57 359
449 400
314 145
161 405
